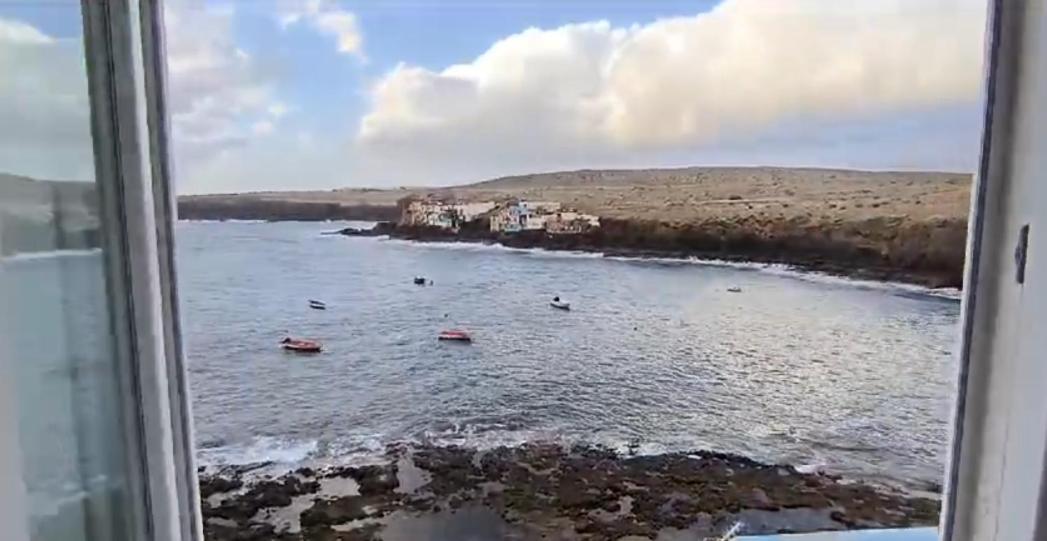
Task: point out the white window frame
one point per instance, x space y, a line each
126 80
995 487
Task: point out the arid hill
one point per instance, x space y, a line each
894 224
681 195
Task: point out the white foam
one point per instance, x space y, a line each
819 469
451 245
359 224
261 449
482 439
778 269
371 449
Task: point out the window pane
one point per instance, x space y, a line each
55 334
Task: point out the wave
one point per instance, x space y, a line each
291 453
284 455
789 271
778 269
262 449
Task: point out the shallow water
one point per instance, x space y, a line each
795 368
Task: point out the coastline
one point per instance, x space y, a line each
545 491
806 251
901 226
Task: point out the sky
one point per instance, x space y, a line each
323 94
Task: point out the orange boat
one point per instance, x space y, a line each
301 346
455 335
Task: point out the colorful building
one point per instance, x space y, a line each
523 216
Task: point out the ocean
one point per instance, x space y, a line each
654 355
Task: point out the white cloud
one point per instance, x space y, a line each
586 93
263 127
327 18
44 121
220 94
20 33
278 110
753 81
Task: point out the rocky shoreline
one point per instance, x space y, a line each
544 491
930 254
260 208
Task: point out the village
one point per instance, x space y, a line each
511 216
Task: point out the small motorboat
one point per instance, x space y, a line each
419 280
454 336
301 346
734 289
317 305
559 304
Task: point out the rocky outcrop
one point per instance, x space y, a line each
546 491
927 252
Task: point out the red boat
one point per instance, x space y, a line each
301 346
455 336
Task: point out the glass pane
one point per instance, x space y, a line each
55 334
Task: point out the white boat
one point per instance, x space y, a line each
562 305
317 305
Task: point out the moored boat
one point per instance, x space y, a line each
301 346
455 335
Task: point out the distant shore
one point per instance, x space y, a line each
906 226
925 254
545 491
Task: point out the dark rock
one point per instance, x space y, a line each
334 511
261 495
215 485
602 495
375 479
252 531
881 248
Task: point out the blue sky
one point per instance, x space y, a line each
433 34
320 94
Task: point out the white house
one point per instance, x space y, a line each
523 216
432 213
